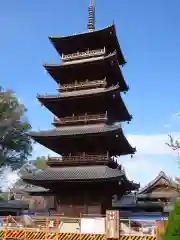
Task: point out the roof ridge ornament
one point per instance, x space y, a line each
91 16
162 173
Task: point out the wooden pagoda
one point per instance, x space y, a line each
86 133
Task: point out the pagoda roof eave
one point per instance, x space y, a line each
78 94
69 139
107 58
78 130
65 106
62 106
76 174
45 182
86 33
134 186
35 189
62 73
74 64
69 44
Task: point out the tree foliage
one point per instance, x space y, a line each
172 231
41 162
15 144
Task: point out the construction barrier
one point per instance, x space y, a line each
51 228
32 235
137 237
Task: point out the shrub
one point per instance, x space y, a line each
172 231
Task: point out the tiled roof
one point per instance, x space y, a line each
78 130
35 189
96 39
94 69
13 204
161 178
160 194
78 93
109 57
126 200
132 203
28 189
108 28
54 138
22 187
76 173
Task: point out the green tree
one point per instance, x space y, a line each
172 231
41 162
15 143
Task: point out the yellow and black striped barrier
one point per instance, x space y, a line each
39 234
131 237
14 233
1 233
78 236
29 235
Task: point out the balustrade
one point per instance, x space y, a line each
82 85
80 119
84 54
80 157
84 159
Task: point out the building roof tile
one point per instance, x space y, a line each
79 93
78 130
104 37
76 173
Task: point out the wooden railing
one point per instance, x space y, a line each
82 85
83 160
80 119
85 54
81 157
85 157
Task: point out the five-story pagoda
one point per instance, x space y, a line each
86 134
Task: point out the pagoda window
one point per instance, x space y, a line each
84 54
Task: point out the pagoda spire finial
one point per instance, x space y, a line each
91 16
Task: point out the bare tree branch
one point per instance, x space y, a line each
174 144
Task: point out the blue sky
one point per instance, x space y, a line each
149 34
